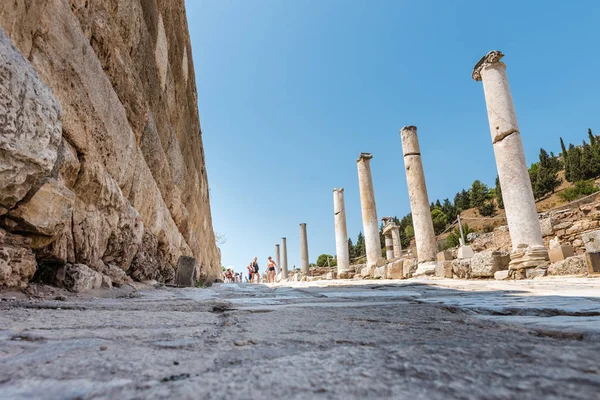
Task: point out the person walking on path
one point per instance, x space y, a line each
250 272
255 269
271 265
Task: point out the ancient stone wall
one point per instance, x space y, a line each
103 147
568 224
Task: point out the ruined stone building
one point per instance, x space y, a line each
101 157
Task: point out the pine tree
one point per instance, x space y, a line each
499 199
439 220
478 193
574 160
547 179
359 247
450 210
588 161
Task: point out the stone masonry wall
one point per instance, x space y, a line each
101 160
567 224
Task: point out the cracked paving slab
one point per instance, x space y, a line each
429 339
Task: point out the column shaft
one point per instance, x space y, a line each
417 193
277 258
369 210
517 194
396 243
389 247
284 260
341 233
304 249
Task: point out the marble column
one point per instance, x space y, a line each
304 249
517 194
389 247
277 258
419 202
397 244
341 233
369 210
284 260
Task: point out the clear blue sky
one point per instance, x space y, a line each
290 92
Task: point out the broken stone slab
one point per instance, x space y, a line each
484 264
443 269
409 266
186 272
546 227
538 272
444 256
462 268
368 271
380 272
47 212
502 275
575 265
346 274
591 240
425 268
395 270
78 278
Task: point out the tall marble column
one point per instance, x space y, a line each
304 249
369 210
341 233
517 194
419 201
277 258
396 242
284 260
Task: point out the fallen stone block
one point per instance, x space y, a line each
575 265
591 240
346 274
560 253
462 268
186 271
368 271
395 270
502 275
425 268
380 272
443 269
444 256
409 266
78 278
484 264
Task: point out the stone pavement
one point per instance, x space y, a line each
415 339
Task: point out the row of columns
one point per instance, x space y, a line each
517 194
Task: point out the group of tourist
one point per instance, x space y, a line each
230 276
254 271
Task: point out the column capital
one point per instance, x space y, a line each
338 190
493 57
364 156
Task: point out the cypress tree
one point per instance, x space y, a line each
565 157
499 193
574 157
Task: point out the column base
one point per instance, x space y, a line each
525 256
426 268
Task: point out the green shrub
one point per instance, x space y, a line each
487 209
579 190
452 240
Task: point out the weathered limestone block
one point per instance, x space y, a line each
78 278
116 274
462 268
47 212
591 240
546 227
569 266
502 275
443 269
486 263
502 240
30 125
123 244
368 271
560 253
444 256
149 262
409 266
17 261
186 272
465 252
380 272
395 270
425 268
